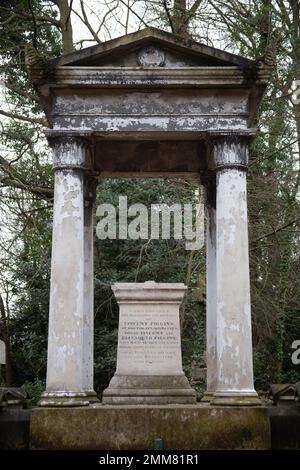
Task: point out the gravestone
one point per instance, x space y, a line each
149 363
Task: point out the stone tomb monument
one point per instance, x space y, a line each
149 365
149 104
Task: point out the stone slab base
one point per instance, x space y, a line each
149 390
191 427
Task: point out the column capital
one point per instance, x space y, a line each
231 149
69 150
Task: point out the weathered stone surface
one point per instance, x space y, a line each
13 396
152 389
114 76
2 352
151 56
149 364
65 345
88 296
233 309
211 294
112 50
151 92
136 427
159 110
70 347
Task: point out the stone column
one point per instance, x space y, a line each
67 335
211 322
88 324
233 315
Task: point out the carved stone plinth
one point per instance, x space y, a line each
149 365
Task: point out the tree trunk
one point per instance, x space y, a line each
66 26
180 18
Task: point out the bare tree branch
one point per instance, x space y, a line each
87 23
42 122
273 232
169 16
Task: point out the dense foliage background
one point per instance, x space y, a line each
268 29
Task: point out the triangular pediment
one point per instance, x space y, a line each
151 47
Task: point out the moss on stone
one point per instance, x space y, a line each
136 427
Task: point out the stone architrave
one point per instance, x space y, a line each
149 364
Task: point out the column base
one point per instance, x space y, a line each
149 390
207 397
64 399
92 396
236 399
